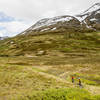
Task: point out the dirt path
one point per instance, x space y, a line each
93 89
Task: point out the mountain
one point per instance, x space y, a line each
2 38
91 17
59 23
89 20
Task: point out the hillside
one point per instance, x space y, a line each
28 74
61 42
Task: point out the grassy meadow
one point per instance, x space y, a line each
25 75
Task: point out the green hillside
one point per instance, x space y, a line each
61 42
40 67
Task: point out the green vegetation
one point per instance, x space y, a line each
61 94
91 79
27 75
18 80
76 42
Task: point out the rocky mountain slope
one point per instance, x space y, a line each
89 20
59 23
91 17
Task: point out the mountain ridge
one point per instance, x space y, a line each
89 20
92 8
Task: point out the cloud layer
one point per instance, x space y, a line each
25 12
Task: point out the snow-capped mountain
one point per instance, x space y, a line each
92 9
91 17
55 23
51 21
88 20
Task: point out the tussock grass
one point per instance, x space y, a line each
26 76
61 94
18 80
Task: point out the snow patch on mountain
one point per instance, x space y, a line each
98 12
92 11
86 24
80 18
45 29
54 28
24 32
93 19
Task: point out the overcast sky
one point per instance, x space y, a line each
18 15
